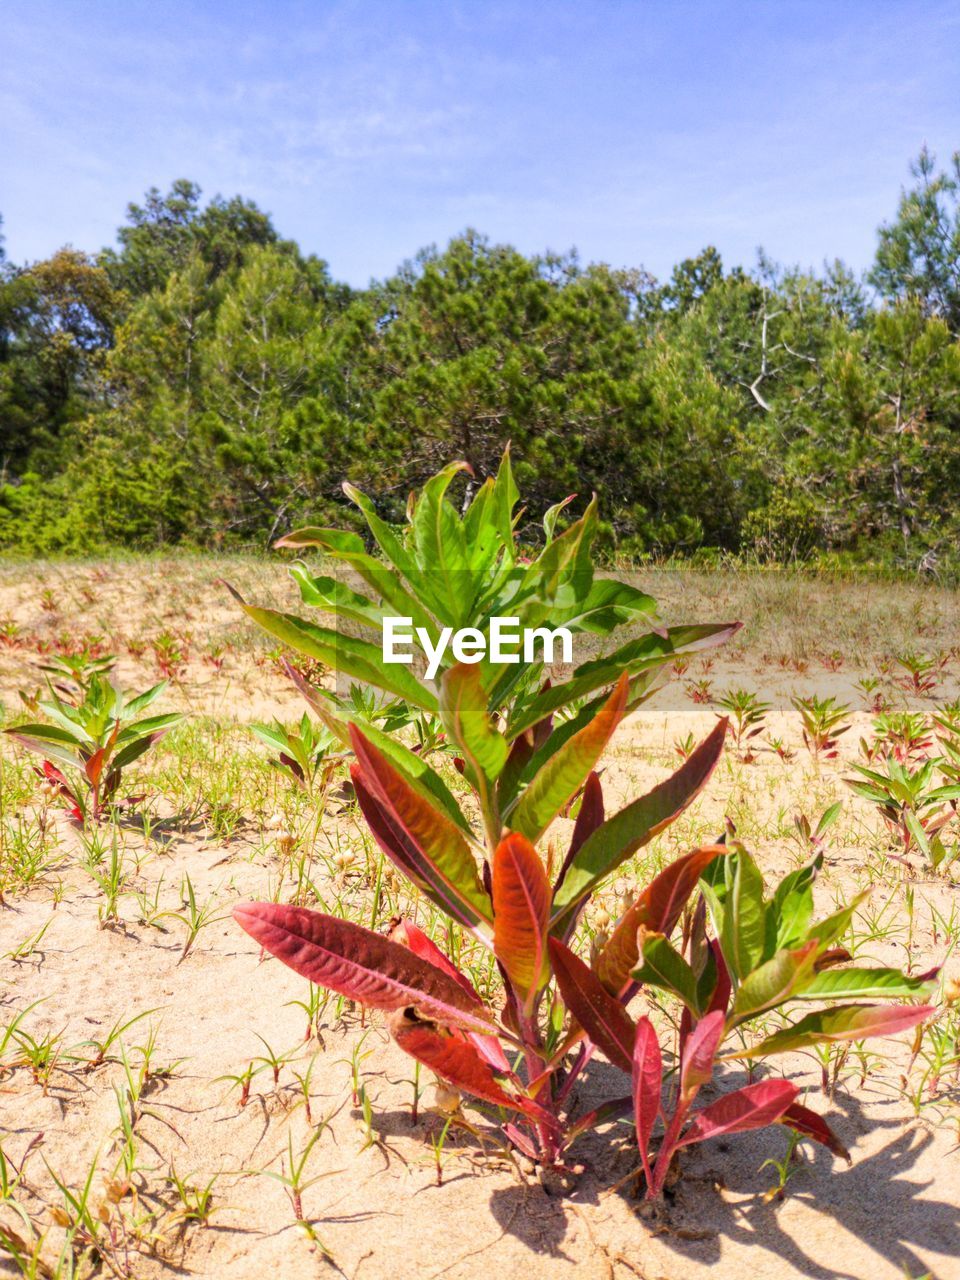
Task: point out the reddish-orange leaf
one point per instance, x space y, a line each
562 776
457 1060
521 914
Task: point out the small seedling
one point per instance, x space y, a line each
824 721
305 753
872 693
913 810
700 691
786 1167
903 735
193 917
747 714
923 673
684 747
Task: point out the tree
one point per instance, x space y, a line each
918 256
165 231
58 318
265 354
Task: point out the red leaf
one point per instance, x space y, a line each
721 992
658 908
812 1126
444 859
407 934
698 1055
603 1018
647 1083
459 1062
521 914
635 825
751 1107
588 819
360 964
94 766
388 833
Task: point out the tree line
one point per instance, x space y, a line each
204 383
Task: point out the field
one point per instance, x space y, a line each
199 1110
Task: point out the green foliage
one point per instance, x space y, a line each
766 955
305 752
914 809
206 383
97 733
919 253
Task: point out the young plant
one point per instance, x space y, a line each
922 673
785 753
812 838
97 737
872 693
523 766
913 810
746 713
903 735
78 670
947 725
764 956
824 721
305 752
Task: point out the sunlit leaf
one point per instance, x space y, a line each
846 1022
360 964
603 1017
636 824
752 1107
521 915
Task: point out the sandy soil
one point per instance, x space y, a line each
373 1194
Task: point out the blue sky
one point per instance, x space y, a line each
638 132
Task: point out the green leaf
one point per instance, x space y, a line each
336 541
649 651
872 984
336 597
635 825
46 740
349 655
791 909
69 720
505 498
441 549
133 750
846 1022
741 930
481 533
608 604
463 709
411 764
657 908
387 538
664 967
150 725
777 980
143 700
832 928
